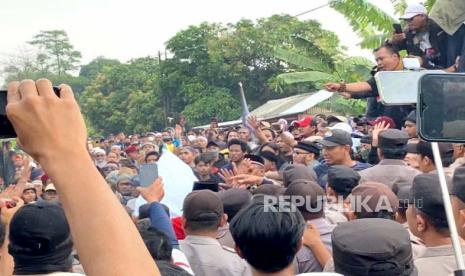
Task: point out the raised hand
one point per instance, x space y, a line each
153 193
253 122
47 126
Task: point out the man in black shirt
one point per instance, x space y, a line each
387 59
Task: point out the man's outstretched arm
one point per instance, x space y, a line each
51 129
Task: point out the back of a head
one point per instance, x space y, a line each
393 143
157 243
388 251
311 198
234 200
373 200
298 172
40 239
342 179
267 239
202 211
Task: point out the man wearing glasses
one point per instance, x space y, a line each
306 153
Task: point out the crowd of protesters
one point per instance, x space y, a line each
324 194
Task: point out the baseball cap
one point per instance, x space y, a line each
234 200
131 149
392 139
377 193
458 187
125 177
202 205
338 119
342 179
387 253
308 146
342 126
307 121
413 10
335 138
426 195
50 187
313 195
39 229
387 121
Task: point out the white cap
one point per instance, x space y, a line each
413 10
50 187
342 126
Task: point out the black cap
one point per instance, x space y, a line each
425 148
314 197
39 229
298 172
308 146
388 251
412 117
218 144
392 139
426 196
335 138
412 148
458 188
268 155
234 200
342 179
258 160
202 205
269 189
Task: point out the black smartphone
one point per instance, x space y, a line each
205 185
397 28
6 128
441 107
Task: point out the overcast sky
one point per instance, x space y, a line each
125 29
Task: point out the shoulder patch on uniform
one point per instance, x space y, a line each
227 248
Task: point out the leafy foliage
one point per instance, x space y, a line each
56 51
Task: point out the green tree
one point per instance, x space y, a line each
56 51
97 66
124 97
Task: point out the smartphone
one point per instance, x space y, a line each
397 28
6 128
441 107
148 173
205 185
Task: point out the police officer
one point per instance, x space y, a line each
427 220
341 181
202 215
391 170
372 247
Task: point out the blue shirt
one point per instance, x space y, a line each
321 171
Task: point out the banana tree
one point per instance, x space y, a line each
315 71
371 23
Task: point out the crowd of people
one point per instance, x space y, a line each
325 194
